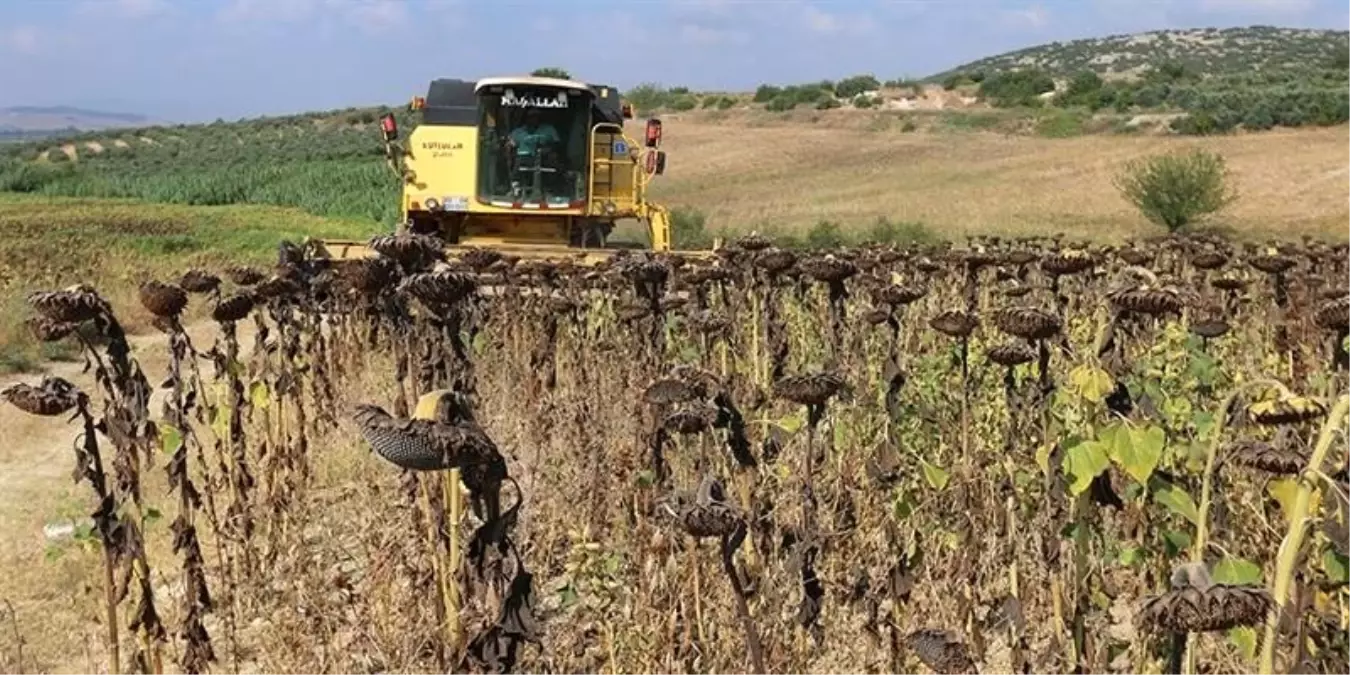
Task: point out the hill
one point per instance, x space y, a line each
1207 51
15 119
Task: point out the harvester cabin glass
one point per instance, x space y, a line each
534 145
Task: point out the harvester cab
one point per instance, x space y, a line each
529 166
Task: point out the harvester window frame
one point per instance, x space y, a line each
496 124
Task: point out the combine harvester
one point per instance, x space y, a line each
531 167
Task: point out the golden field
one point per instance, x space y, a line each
748 171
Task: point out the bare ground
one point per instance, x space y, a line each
46 580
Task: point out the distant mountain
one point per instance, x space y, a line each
1205 51
27 119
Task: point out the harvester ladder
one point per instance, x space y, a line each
624 204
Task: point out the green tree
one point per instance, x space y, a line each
1178 188
550 71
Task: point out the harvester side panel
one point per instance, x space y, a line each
442 163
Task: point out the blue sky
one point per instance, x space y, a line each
190 60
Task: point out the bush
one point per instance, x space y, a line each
726 102
688 229
558 73
828 104
1016 88
865 102
683 102
825 234
1177 189
781 103
852 86
766 93
883 231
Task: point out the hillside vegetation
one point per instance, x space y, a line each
1256 78
1208 51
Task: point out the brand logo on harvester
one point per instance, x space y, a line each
510 99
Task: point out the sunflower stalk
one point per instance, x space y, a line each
1287 558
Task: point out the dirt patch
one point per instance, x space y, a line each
71 151
94 147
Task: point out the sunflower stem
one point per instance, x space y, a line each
1287 557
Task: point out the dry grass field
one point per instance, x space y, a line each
748 171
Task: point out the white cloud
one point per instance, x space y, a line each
123 9
820 21
1259 6
371 15
702 35
21 39
1031 16
280 11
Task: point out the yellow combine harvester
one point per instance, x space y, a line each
529 166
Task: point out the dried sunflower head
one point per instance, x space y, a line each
412 251
1134 256
163 300
1229 283
955 323
897 295
1334 315
754 242
940 650
1022 256
440 290
1209 260
809 388
1196 605
233 308
1147 300
277 287
1012 354
775 260
244 276
1067 262
47 330
199 281
876 316
669 390
694 418
480 259
1272 263
1028 322
53 396
1285 409
75 304
1210 328
1263 456
828 268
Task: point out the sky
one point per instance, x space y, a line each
198 60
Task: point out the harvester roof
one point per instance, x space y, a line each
528 81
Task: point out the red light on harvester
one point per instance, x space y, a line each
653 133
389 127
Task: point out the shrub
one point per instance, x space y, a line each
828 104
726 102
908 126
683 102
883 231
852 86
766 93
781 103
825 234
558 73
865 102
688 229
1176 189
1016 88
